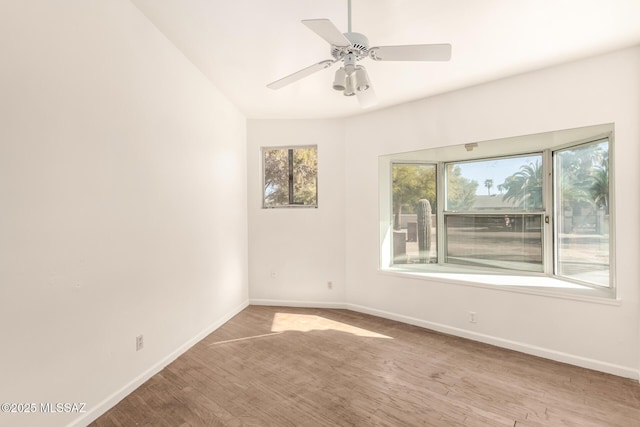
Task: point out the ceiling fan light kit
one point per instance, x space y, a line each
351 78
349 48
350 87
362 79
339 81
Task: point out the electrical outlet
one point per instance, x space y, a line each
329 284
472 317
139 342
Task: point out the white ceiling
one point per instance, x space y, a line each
242 45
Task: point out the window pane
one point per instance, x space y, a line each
511 241
414 213
582 213
510 183
290 176
305 165
276 177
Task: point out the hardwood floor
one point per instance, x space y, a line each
276 366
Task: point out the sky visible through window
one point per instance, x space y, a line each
497 170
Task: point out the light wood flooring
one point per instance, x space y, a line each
276 366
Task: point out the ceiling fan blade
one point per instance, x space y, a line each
291 78
325 29
417 52
367 98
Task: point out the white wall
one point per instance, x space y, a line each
122 204
303 246
594 91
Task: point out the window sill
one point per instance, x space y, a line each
528 284
291 207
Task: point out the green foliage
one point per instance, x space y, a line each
582 178
461 191
276 177
305 173
524 188
600 183
573 174
412 182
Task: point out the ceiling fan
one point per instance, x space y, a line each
349 48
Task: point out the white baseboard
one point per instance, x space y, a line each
558 356
303 304
120 394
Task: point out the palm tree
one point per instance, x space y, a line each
488 183
600 184
584 177
524 187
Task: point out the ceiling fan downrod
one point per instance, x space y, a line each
351 79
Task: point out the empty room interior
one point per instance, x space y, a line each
320 212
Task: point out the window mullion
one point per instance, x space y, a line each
440 194
290 158
548 203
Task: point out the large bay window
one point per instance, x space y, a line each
537 206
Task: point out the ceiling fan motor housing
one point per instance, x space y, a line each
359 47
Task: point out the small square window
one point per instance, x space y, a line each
290 177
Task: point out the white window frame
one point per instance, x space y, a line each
542 212
545 282
289 205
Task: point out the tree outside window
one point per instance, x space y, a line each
290 177
582 212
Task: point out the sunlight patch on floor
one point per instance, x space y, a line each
283 322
